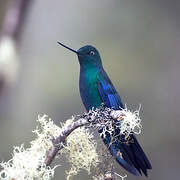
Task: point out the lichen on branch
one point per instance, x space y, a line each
74 140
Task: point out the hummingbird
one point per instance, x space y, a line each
96 89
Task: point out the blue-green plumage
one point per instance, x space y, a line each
96 88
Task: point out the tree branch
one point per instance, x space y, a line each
105 120
58 142
80 149
92 117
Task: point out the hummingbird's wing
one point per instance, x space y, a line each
131 155
108 93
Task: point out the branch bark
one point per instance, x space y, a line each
89 118
58 142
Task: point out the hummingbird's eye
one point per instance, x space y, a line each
91 53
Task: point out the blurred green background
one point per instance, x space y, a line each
139 42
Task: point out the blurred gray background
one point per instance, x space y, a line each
139 42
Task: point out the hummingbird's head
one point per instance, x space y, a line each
88 56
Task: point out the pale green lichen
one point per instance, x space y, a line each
130 122
126 121
80 150
28 163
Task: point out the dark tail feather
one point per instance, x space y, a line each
148 164
125 163
130 156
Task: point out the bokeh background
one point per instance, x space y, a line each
139 42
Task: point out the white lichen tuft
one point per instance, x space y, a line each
28 163
81 152
80 147
8 60
128 122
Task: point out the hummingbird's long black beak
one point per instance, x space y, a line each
67 47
